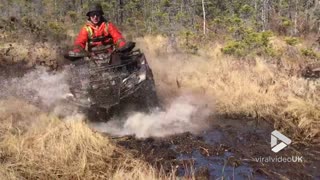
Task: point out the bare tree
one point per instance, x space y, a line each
121 11
204 17
264 14
295 30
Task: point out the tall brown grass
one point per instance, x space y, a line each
238 88
35 145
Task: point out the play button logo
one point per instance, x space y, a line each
275 136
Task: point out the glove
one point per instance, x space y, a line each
126 47
121 44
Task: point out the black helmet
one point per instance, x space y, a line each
95 8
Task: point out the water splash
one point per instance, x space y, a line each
185 113
37 86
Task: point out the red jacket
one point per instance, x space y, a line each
104 29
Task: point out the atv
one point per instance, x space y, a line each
101 81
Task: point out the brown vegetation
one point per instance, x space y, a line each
36 145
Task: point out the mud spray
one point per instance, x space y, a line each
185 114
37 86
36 92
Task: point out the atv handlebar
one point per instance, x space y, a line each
71 55
127 47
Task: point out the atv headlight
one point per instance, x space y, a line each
143 62
135 78
130 81
142 74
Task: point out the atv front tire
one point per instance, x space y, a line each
148 95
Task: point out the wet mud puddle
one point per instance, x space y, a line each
214 166
229 150
216 157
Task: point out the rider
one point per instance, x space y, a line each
98 31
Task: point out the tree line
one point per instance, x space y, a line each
287 17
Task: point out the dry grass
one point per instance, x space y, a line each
240 88
28 51
35 145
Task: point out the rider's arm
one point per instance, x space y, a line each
81 39
116 35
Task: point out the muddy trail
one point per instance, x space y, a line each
196 143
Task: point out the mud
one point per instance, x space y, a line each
230 149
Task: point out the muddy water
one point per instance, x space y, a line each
224 162
228 150
216 166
